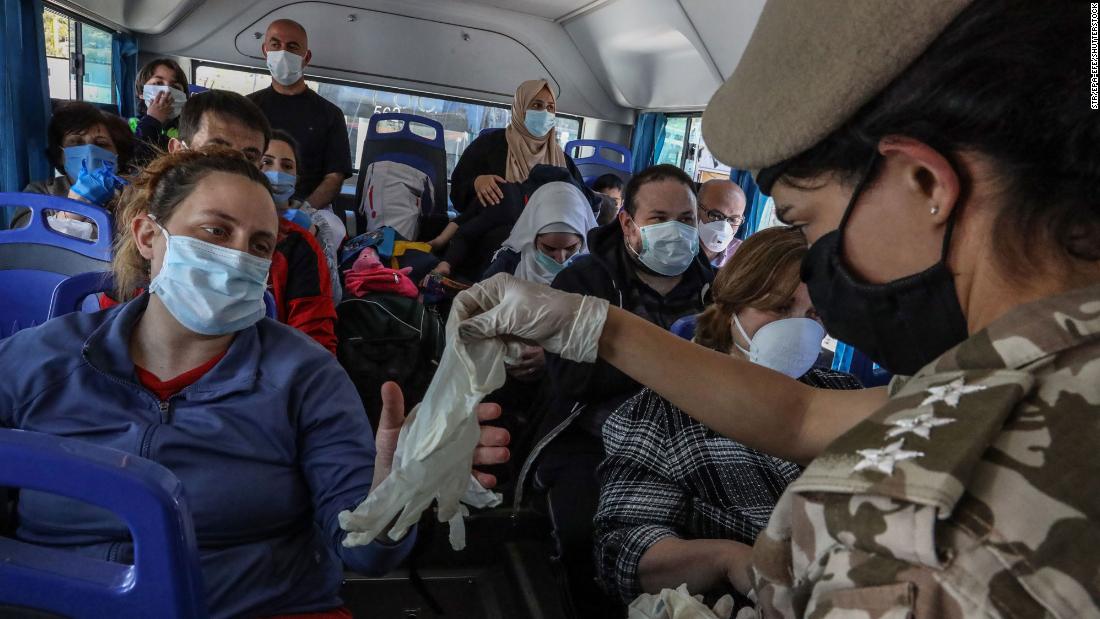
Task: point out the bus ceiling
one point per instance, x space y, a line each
607 59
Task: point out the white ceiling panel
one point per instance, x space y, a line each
648 53
546 9
725 27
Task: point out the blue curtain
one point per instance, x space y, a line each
124 55
649 137
754 202
24 96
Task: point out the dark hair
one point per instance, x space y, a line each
150 68
79 117
158 190
283 136
1003 80
763 274
607 181
653 174
124 140
222 103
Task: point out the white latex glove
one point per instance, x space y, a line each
436 447
678 604
562 323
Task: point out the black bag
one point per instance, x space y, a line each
383 337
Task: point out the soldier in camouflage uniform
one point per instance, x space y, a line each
896 134
913 499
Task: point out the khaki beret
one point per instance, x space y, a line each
809 66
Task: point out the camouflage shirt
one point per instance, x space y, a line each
975 492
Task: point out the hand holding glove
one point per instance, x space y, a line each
563 323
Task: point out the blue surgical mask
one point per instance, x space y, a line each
282 185
548 267
210 289
539 123
667 248
95 156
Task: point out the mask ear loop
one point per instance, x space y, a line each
741 330
869 173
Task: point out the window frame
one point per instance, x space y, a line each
197 63
76 52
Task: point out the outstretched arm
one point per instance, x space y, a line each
746 402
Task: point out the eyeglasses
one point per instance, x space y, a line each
711 216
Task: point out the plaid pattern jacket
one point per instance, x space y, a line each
667 475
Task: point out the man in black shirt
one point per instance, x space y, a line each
316 123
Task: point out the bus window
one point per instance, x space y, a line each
78 58
462 120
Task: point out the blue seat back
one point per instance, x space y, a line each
685 327
70 294
165 579
606 158
35 258
417 142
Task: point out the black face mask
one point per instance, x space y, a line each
902 325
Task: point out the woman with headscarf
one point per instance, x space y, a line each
500 159
507 155
550 233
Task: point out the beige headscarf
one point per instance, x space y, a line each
525 151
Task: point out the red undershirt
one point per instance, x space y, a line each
165 389
168 388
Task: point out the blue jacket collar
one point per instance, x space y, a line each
107 350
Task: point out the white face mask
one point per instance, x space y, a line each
85 230
716 235
149 92
789 346
285 67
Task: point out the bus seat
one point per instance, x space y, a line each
35 258
408 146
848 359
685 327
165 579
618 161
70 294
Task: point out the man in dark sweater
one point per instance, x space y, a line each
316 123
648 262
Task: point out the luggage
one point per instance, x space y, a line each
384 337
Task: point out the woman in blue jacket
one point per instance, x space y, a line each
262 426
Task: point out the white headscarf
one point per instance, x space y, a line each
550 206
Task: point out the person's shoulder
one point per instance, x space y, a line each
587 274
284 342
260 95
56 343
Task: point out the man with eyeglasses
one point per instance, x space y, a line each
721 206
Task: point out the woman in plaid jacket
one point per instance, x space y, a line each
679 503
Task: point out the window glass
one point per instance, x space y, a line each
96 46
462 121
705 167
68 39
60 33
672 151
